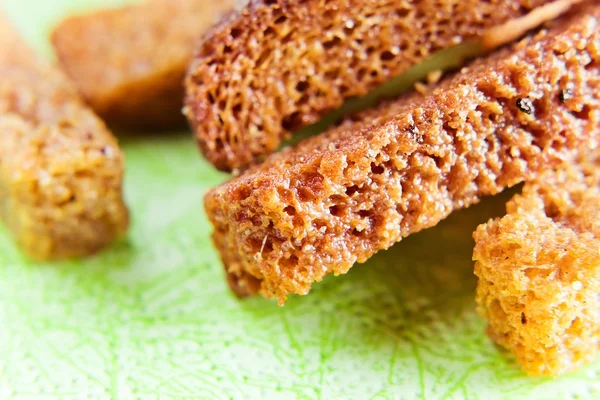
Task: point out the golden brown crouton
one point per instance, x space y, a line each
280 65
129 63
539 271
340 197
61 170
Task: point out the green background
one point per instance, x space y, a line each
152 318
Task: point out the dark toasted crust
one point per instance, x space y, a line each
129 63
341 197
282 64
539 270
61 170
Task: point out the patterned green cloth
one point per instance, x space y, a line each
152 317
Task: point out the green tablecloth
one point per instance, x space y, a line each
152 317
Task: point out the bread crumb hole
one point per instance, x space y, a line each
551 210
236 111
292 122
584 113
290 210
219 145
523 319
351 190
329 15
377 169
336 210
305 194
387 56
267 246
357 233
235 33
402 13
289 262
332 43
242 193
269 31
302 86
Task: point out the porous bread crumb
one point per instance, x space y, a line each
340 197
61 170
129 63
539 270
281 65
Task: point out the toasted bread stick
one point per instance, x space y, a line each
61 170
539 270
129 63
340 197
281 65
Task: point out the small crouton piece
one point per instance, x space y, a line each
539 270
61 170
129 63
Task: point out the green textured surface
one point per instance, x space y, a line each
152 318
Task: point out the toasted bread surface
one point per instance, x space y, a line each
338 198
277 66
539 270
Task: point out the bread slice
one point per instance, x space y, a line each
129 63
280 65
61 170
539 270
338 198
